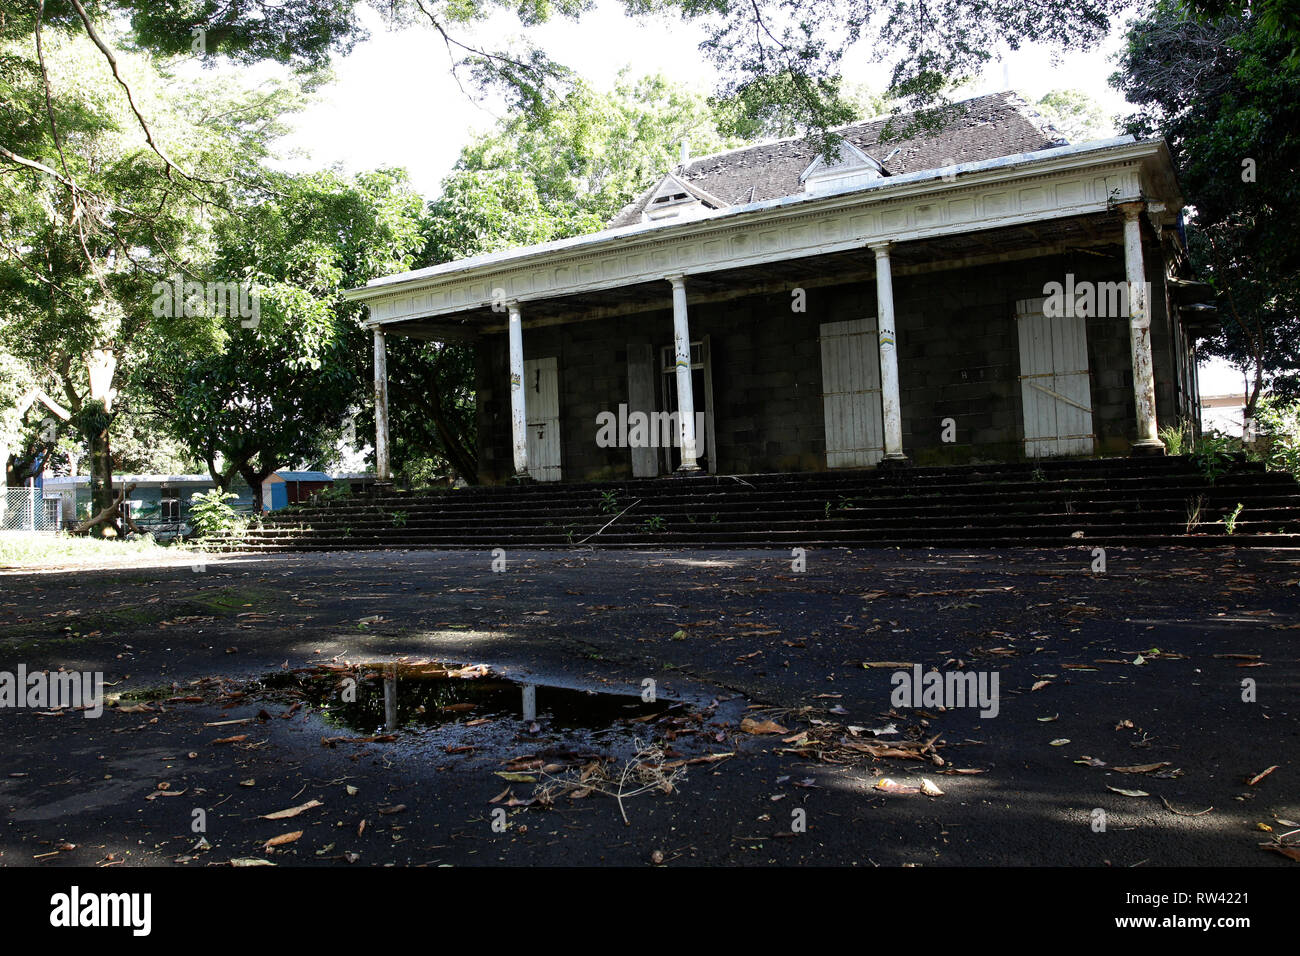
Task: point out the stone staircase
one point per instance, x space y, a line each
1119 501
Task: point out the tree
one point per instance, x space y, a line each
1224 96
1075 114
277 390
781 59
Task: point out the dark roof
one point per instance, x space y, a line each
303 476
985 127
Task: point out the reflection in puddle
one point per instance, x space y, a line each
420 697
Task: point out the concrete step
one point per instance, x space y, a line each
1109 501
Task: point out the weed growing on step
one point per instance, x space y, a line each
1230 520
1213 456
608 501
399 519
1194 509
654 523
1177 438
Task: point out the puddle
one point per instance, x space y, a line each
407 697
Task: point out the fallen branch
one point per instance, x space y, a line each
1185 813
104 515
610 521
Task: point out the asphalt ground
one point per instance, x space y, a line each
1139 666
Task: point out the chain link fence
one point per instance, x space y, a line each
23 509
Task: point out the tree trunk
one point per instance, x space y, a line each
101 481
255 478
101 364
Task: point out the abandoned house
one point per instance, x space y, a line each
980 291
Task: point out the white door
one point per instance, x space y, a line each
851 394
1054 385
542 402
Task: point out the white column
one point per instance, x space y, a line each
892 406
685 387
1139 327
382 471
518 408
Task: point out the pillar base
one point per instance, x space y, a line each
687 470
891 464
524 479
1148 449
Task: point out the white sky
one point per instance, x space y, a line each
395 102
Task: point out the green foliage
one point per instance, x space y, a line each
1279 426
1177 438
1222 92
399 519
276 393
211 514
1213 454
1075 114
781 62
1230 519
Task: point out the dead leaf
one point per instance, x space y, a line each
1128 793
292 811
284 838
1142 767
1260 776
751 726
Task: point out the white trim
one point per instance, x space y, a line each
1053 183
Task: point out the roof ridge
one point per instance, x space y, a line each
680 168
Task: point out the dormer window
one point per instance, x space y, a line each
851 167
674 199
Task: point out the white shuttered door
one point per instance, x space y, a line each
851 393
541 380
1054 386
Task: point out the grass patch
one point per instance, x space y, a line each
26 550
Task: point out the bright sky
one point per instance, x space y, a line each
395 102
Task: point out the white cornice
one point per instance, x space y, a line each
1064 181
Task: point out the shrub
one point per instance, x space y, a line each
210 513
1279 427
1213 455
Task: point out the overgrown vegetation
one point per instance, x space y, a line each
29 550
210 513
